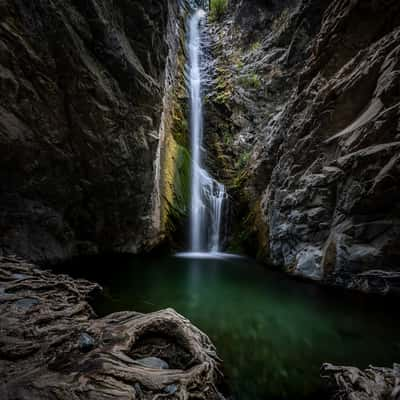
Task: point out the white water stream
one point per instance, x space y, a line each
207 195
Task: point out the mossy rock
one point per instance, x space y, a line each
176 185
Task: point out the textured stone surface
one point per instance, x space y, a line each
350 383
53 347
321 128
332 201
82 87
258 51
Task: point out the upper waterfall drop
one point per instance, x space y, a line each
207 195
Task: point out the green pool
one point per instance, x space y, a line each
272 332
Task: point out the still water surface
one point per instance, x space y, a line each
272 332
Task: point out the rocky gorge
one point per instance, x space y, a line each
301 125
301 121
304 128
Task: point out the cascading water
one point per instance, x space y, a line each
207 195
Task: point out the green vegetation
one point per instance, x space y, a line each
239 65
176 165
218 9
224 86
250 81
180 128
255 46
243 160
281 22
176 188
227 138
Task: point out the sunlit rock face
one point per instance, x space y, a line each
82 86
320 121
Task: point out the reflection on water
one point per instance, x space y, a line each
273 333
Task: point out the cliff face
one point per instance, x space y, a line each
82 97
333 198
314 97
302 124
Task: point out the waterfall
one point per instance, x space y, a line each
207 195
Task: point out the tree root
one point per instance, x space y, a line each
350 383
53 347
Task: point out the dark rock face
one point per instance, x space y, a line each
82 85
332 203
322 175
259 50
55 348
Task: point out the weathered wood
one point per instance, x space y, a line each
350 383
52 346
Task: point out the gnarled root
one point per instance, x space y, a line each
350 383
52 347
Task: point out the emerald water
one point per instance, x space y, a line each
273 333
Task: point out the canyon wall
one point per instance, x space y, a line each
302 125
304 129
83 88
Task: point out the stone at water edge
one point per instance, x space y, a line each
152 362
86 342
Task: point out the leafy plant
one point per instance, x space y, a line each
255 46
218 9
250 81
227 138
239 65
243 160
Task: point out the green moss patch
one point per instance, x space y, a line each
217 9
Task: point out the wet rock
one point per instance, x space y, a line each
307 263
152 362
26 304
259 51
321 182
86 342
171 389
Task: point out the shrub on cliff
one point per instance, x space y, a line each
217 9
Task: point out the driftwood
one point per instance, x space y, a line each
52 346
350 383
